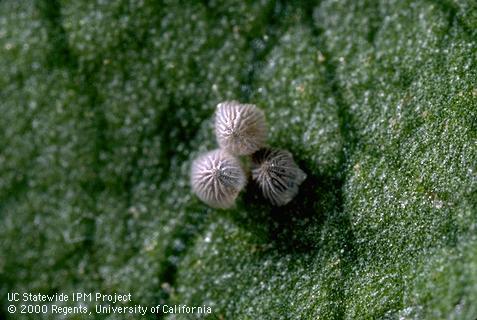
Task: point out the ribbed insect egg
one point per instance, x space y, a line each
277 174
240 128
217 178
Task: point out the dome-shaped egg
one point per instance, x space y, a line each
217 178
240 128
277 174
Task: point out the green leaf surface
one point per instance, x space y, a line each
104 104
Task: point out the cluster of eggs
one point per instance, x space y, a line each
217 177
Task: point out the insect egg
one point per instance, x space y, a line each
240 128
277 175
217 178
